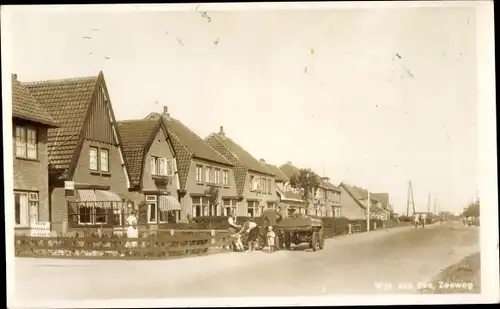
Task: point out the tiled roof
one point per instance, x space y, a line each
289 169
293 195
135 136
360 194
246 159
327 185
382 198
278 174
187 145
240 172
67 101
24 106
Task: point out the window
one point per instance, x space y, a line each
269 183
161 166
93 159
26 142
252 208
104 160
225 177
151 201
84 214
199 173
169 216
252 185
263 185
229 206
26 208
208 172
92 213
101 215
217 176
200 206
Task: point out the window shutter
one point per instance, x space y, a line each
170 167
163 166
152 162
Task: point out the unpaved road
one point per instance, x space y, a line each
354 264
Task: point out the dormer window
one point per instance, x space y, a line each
26 142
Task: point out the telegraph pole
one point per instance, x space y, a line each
410 200
429 203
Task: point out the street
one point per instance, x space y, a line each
374 262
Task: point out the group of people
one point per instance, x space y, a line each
466 221
251 230
419 219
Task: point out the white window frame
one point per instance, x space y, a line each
91 213
194 205
31 199
217 176
269 186
101 152
106 214
91 149
231 206
199 173
150 201
253 207
23 145
209 174
225 177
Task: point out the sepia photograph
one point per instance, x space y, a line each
250 154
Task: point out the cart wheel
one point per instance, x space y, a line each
321 241
314 241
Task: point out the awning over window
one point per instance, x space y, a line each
86 196
168 202
107 196
99 198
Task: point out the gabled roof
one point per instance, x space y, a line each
243 156
327 185
25 106
137 137
278 174
289 169
187 145
359 194
382 198
241 159
67 101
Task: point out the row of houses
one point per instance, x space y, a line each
76 166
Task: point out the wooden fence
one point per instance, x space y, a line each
164 244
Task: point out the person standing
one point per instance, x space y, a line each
132 230
253 234
270 238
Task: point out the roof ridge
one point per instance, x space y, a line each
60 80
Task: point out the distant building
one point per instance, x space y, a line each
355 203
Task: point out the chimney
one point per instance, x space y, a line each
221 131
165 111
289 162
262 160
325 178
14 76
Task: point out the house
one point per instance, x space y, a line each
30 123
255 186
290 199
384 200
355 202
329 198
207 185
88 177
325 199
151 161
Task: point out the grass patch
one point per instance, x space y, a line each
461 278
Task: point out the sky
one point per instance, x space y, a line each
370 97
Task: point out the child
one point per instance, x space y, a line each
237 242
270 238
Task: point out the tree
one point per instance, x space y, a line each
306 181
213 198
472 210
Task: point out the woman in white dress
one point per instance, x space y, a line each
132 231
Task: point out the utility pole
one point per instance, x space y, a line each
429 203
410 200
368 213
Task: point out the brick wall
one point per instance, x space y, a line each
32 175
